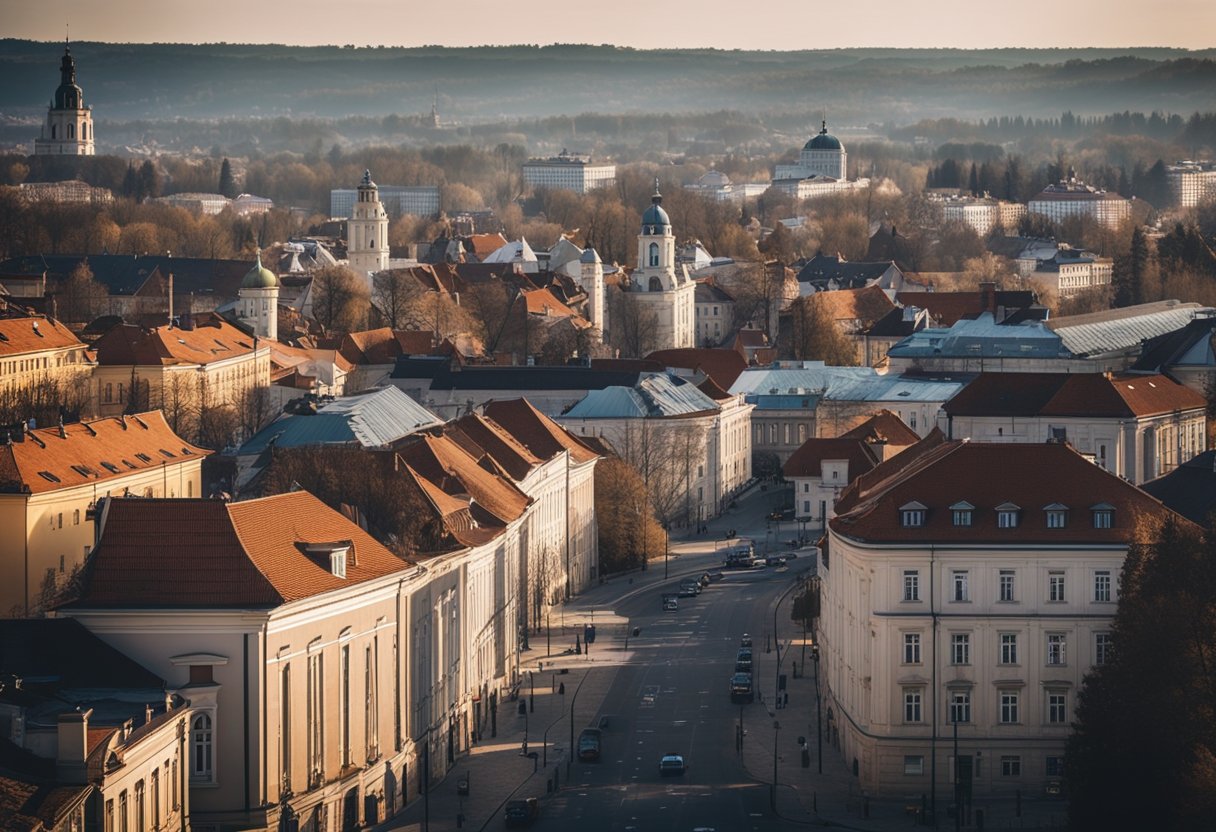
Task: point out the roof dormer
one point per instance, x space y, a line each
335 555
1008 515
912 515
962 513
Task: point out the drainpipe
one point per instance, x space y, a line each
933 735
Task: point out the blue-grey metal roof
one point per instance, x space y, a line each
371 420
807 402
896 389
795 378
1121 329
983 337
656 395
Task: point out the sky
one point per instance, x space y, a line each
642 24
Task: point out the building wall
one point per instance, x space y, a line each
715 321
154 769
66 133
576 177
861 634
1106 211
67 367
47 535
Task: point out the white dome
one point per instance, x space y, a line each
713 179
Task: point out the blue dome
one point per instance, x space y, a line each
654 218
823 141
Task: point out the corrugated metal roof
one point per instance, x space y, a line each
1094 337
983 337
795 379
656 395
896 389
370 419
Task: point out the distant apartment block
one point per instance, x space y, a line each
71 190
1192 182
718 187
570 172
1073 198
420 200
984 214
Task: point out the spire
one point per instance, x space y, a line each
657 198
367 176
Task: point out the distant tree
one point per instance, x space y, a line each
1153 186
340 299
80 297
779 245
227 185
148 183
629 533
632 327
817 337
1152 734
1133 272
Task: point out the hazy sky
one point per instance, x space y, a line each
727 24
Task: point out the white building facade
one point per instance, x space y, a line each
1192 182
664 292
1073 198
568 172
367 231
68 130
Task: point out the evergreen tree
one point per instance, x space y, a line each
1143 751
130 182
148 183
227 180
973 181
1130 273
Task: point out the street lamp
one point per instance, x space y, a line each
666 547
573 699
773 794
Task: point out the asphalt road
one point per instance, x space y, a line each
673 697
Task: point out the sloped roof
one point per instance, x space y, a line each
1112 330
808 459
196 554
30 800
453 470
21 334
940 475
1190 489
656 396
515 252
1077 395
867 304
1190 346
104 449
983 337
822 269
484 245
210 339
722 365
541 435
886 426
144 274
63 649
490 438
370 420
544 302
947 308
708 291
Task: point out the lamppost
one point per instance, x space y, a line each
773 793
666 548
573 700
531 692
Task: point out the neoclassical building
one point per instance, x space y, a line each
664 292
823 155
69 123
367 230
950 595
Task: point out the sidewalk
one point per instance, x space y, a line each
495 769
833 798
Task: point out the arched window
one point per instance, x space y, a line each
200 747
53 131
654 254
656 285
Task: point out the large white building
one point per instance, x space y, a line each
1070 271
984 214
663 291
952 596
1192 182
68 130
1073 198
821 169
420 200
367 231
570 172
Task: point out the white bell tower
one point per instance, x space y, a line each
367 231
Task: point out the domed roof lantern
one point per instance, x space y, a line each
68 96
655 219
367 179
259 277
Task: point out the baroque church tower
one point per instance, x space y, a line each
259 301
367 231
663 291
69 124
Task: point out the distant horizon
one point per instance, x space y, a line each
786 25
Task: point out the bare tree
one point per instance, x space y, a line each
80 297
340 299
633 329
816 336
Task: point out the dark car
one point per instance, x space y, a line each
671 764
743 661
589 744
741 687
689 589
746 641
714 575
521 812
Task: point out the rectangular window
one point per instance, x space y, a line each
960 648
1011 766
1006 585
1009 648
1102 585
960 706
912 700
911 648
316 718
285 726
1055 648
806 507
155 792
911 585
1056 519
1103 648
344 707
1057 707
960 585
913 518
914 764
141 824
1055 586
122 812
1009 707
1103 519
962 517
1055 767
1007 519
109 822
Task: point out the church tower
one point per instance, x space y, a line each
367 231
259 301
660 288
69 124
591 277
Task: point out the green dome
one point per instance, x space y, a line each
260 277
824 141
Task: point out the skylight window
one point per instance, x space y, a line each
168 454
110 466
48 476
143 457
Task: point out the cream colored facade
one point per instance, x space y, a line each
148 778
1015 666
36 351
664 292
367 231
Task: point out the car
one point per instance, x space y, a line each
774 560
759 563
589 744
521 812
670 604
715 575
775 515
743 661
746 641
687 591
741 688
672 765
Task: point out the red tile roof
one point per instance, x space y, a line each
211 339
92 452
868 304
544 302
457 473
722 365
480 435
808 459
1091 395
21 335
209 554
887 426
709 388
483 245
940 474
537 432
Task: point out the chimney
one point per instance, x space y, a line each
147 714
170 298
70 761
988 298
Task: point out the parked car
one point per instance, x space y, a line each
670 604
743 661
688 590
715 575
672 765
589 744
521 812
746 641
774 560
741 688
